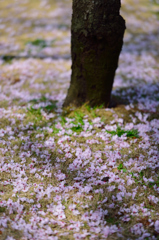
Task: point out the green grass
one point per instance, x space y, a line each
41 43
2 209
157 14
120 167
92 110
35 112
156 2
48 108
62 120
77 121
77 128
7 59
133 133
78 118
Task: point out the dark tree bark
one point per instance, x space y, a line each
97 38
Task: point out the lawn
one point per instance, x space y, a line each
76 173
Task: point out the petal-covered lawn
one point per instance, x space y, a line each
86 173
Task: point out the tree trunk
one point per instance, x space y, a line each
97 38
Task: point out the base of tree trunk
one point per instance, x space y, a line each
112 103
95 47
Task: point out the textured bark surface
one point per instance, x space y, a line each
97 37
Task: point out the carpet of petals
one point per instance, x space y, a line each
86 173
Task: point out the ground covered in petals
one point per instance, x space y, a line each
86 173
